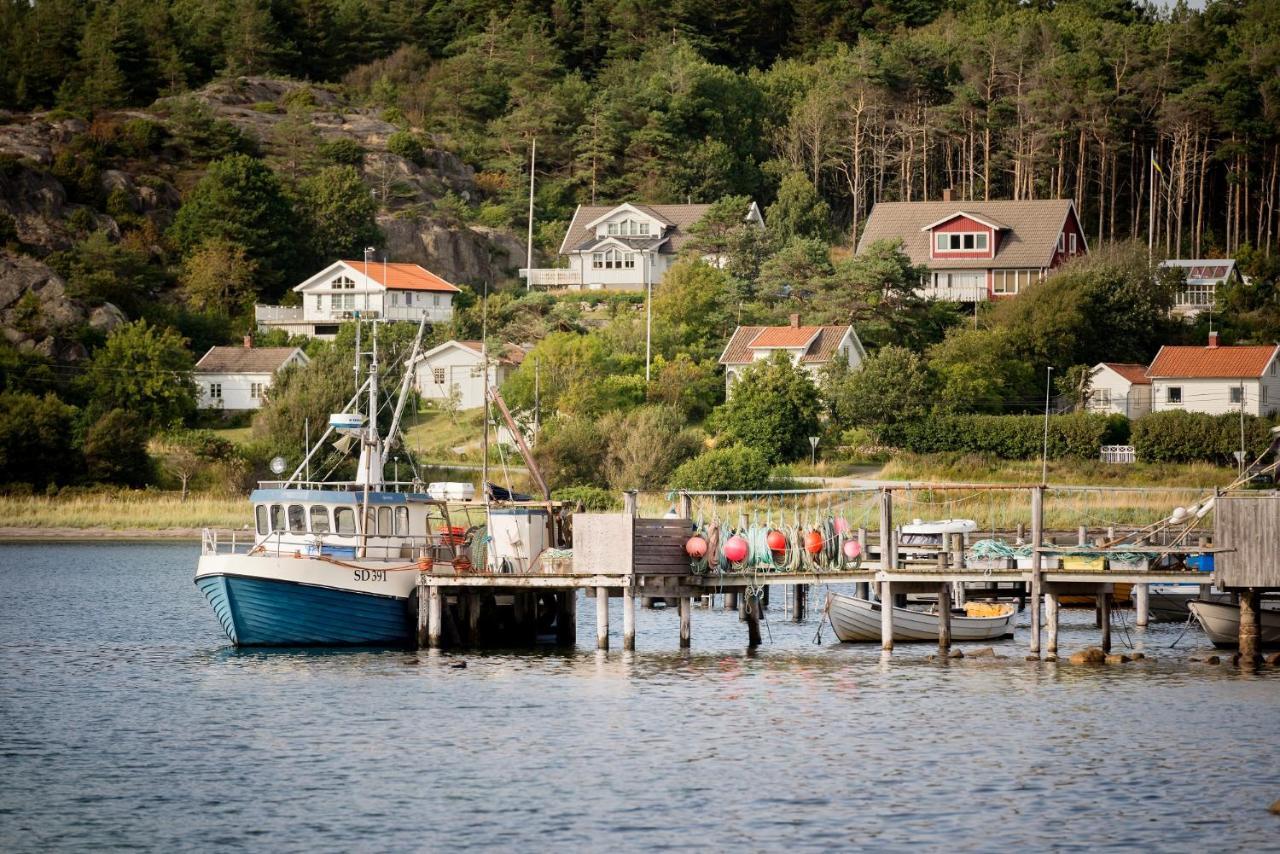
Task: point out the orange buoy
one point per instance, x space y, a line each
777 542
696 547
813 542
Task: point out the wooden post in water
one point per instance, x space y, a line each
434 619
1142 596
1037 561
566 617
752 605
473 619
628 615
423 617
686 622
944 616
1104 615
602 618
1051 624
886 615
1249 617
957 561
886 530
731 600
799 593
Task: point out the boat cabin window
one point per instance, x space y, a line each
260 513
297 519
402 521
371 522
344 520
384 521
319 519
277 517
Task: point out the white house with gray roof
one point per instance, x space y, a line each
236 379
977 251
623 247
1204 276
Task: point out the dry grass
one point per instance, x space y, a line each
969 468
123 510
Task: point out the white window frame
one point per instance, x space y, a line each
215 391
255 391
435 300
1072 242
1172 392
319 302
1062 242
395 299
1101 398
958 237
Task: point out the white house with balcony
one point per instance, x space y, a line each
1217 379
809 347
1119 388
977 251
346 290
457 368
624 247
1203 278
237 379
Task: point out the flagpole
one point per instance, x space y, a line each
1151 209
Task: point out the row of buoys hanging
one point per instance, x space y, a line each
825 545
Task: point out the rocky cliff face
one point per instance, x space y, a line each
41 211
37 315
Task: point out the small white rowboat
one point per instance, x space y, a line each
858 620
1222 623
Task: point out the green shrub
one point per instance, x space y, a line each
138 137
343 151
300 97
1011 437
406 145
1184 437
36 440
265 107
734 467
591 498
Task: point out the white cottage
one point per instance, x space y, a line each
1119 388
459 365
1217 379
346 290
809 347
236 379
624 247
1204 277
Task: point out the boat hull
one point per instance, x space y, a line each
1221 622
857 620
258 604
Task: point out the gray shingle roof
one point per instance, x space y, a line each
245 360
1034 226
679 216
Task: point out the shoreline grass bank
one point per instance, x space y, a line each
125 513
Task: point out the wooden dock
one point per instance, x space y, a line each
632 558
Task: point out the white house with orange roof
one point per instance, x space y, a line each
347 290
809 347
1119 388
457 367
1216 379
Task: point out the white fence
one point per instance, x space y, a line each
551 277
964 293
1119 454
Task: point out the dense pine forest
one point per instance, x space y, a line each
875 99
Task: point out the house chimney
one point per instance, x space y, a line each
946 194
795 321
1213 340
248 342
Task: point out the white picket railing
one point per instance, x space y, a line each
551 277
1119 454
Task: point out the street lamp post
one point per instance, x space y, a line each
813 450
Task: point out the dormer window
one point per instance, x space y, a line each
629 228
975 241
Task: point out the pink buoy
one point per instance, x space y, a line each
852 548
842 527
696 547
735 549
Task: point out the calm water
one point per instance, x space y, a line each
126 721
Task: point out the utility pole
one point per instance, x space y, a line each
528 254
1243 452
1044 454
537 400
648 316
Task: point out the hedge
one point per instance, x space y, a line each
1014 437
1184 437
734 467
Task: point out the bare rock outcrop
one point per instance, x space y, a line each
36 314
458 253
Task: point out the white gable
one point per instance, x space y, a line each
337 276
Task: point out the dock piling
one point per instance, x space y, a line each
1104 616
886 615
686 622
944 616
751 603
434 621
1051 626
1249 616
1037 562
566 605
800 593
628 617
602 618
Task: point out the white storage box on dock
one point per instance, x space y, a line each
452 491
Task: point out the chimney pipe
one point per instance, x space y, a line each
795 321
1213 340
248 342
946 194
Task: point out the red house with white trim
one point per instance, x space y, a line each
976 251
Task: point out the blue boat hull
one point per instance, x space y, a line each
267 612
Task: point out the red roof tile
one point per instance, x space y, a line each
1135 374
789 337
403 277
1215 362
820 342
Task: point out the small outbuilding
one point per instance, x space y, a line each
237 379
457 367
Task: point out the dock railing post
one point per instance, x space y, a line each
1037 561
862 589
957 561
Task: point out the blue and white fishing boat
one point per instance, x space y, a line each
336 562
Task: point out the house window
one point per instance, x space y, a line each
255 391
435 300
342 283
1062 243
319 302
610 259
395 298
408 299
1072 238
1174 394
1102 397
437 376
1264 394
1235 394
215 390
628 228
961 242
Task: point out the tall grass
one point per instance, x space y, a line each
121 510
974 468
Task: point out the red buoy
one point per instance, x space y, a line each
736 549
777 542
